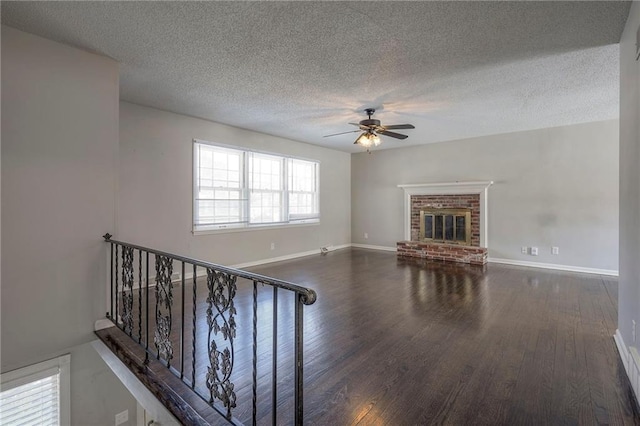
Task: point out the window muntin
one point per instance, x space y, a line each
236 188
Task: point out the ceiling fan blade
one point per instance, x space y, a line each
400 126
393 134
343 133
355 124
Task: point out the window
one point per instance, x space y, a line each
266 188
303 184
235 188
37 394
219 197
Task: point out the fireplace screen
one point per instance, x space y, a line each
446 226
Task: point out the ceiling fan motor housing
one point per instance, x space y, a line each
370 122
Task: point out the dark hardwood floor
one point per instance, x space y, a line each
408 342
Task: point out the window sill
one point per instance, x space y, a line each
254 228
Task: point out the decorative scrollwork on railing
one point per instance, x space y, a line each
127 289
221 321
164 300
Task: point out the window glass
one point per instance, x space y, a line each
240 188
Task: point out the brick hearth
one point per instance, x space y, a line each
447 252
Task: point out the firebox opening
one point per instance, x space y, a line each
452 226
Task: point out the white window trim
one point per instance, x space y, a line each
260 227
30 374
244 227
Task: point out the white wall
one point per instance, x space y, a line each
629 281
155 190
97 394
59 152
553 187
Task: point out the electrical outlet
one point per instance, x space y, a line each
273 246
366 236
555 250
523 250
122 417
534 251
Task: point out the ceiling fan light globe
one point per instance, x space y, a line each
375 139
365 141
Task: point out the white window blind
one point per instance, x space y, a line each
33 395
236 188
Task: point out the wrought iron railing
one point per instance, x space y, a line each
201 332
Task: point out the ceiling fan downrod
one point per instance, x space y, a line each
370 122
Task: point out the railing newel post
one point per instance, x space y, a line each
146 281
139 296
254 370
182 336
274 367
116 285
111 292
299 355
193 348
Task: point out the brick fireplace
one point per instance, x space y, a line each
435 222
433 203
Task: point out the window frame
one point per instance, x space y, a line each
34 372
281 193
303 217
245 190
242 188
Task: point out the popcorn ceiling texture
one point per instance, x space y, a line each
301 70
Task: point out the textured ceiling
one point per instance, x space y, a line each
302 70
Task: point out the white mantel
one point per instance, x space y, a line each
448 188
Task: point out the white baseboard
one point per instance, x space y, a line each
631 361
609 272
368 246
287 257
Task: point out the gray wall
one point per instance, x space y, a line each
629 282
553 187
97 394
155 189
59 147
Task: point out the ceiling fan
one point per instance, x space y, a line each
371 128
